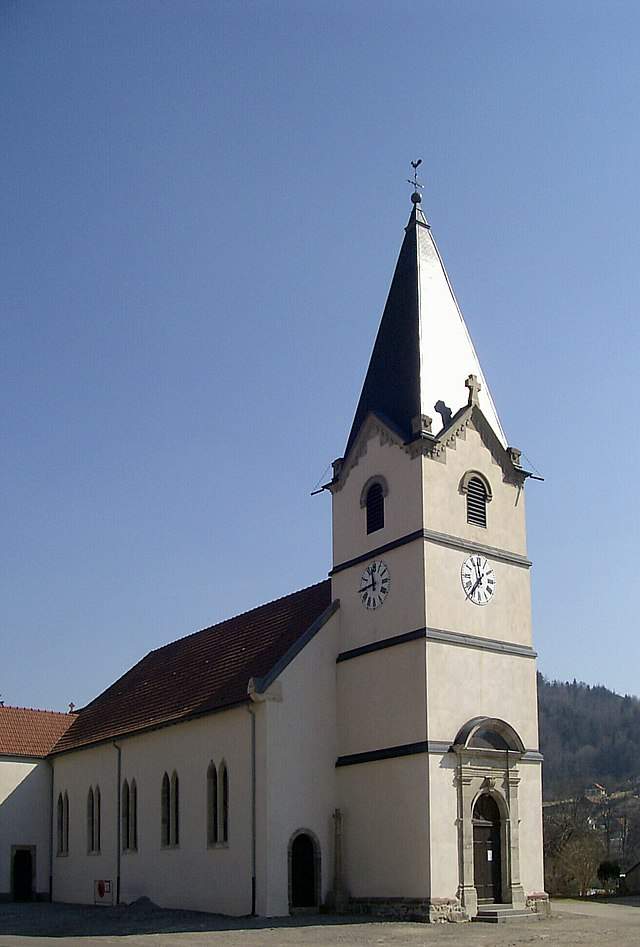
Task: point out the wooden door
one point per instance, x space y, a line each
487 862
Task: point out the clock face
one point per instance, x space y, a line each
478 579
374 584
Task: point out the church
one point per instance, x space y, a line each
367 744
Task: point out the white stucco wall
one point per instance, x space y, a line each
530 808
385 809
445 507
464 683
192 875
25 790
443 798
382 699
403 505
296 750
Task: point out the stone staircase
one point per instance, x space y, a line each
503 914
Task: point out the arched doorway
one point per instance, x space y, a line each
22 874
304 872
487 860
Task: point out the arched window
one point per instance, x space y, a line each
91 814
476 502
224 793
93 819
375 507
65 824
165 807
175 809
129 816
124 806
133 816
60 825
212 805
478 491
97 821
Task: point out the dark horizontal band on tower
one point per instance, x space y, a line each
414 749
441 539
448 637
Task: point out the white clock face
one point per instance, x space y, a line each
478 579
374 584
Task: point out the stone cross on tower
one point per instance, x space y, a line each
474 387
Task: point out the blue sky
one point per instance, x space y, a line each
202 208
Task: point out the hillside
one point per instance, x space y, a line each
588 735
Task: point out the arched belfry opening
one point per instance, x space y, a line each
487 850
488 752
304 872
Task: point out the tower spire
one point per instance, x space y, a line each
423 351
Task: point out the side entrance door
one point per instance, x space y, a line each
22 874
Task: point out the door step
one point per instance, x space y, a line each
503 914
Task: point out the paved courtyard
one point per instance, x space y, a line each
45 925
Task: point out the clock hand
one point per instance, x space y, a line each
363 588
475 586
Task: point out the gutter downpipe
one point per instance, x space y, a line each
252 711
53 814
118 828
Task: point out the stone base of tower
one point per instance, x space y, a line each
429 910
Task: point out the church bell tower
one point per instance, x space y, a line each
438 770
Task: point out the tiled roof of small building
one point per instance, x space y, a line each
206 671
33 733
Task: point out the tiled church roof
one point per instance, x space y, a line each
33 733
205 671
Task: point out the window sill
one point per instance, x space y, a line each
62 854
134 851
169 848
217 845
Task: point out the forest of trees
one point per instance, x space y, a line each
587 735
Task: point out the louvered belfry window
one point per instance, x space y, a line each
476 502
375 508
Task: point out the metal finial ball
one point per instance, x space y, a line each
416 197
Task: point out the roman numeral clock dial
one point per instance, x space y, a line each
374 584
478 580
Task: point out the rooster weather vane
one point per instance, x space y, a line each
416 197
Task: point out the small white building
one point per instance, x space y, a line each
369 743
26 738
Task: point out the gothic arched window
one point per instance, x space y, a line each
212 805
60 821
91 816
65 824
175 809
133 816
224 793
165 810
96 821
125 809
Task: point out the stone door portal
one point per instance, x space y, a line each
487 861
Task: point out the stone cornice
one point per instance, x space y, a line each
433 446
441 539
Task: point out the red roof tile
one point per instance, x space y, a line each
203 672
27 732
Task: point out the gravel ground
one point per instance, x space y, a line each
573 924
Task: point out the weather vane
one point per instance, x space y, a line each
415 197
414 180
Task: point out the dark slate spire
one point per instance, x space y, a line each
392 385
423 352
